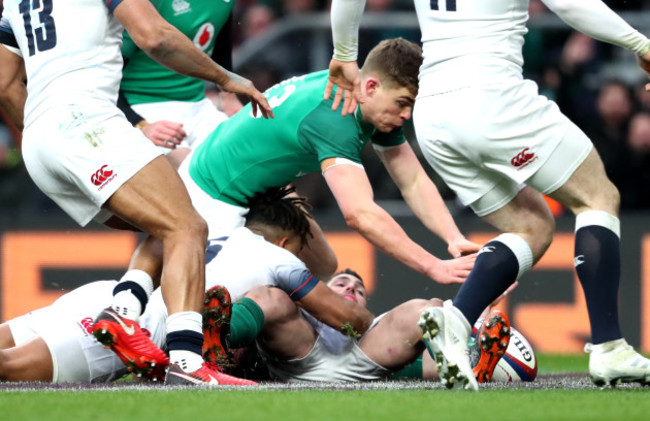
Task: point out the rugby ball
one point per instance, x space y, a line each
518 363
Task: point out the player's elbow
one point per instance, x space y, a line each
154 47
355 219
155 41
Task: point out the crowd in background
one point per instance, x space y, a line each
596 85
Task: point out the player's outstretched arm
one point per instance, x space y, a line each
353 193
596 19
334 310
13 91
167 45
423 197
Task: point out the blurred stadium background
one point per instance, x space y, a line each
43 253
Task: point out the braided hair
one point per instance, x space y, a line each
276 208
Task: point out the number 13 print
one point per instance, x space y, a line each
42 37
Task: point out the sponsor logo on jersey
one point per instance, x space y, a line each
204 36
180 7
102 176
86 324
523 159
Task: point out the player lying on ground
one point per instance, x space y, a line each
55 344
298 347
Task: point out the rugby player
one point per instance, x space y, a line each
81 152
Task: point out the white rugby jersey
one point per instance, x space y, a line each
239 262
245 259
474 42
71 50
461 36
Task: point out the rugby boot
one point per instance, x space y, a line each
207 376
616 361
445 332
131 344
217 310
493 339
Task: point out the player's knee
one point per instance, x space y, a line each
539 233
546 237
274 302
607 199
418 305
196 228
612 199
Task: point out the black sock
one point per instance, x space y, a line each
598 264
496 268
185 340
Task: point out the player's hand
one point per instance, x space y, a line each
644 63
462 247
453 271
240 85
167 134
347 77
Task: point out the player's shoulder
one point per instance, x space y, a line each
7 37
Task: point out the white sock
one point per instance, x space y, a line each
127 305
185 320
187 360
124 302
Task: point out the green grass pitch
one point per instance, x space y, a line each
557 398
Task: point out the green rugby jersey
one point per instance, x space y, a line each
144 80
246 155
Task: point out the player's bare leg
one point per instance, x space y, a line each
528 226
286 334
30 361
595 201
156 201
6 337
396 340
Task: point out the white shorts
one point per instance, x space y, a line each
486 142
199 118
221 217
334 358
66 326
79 155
